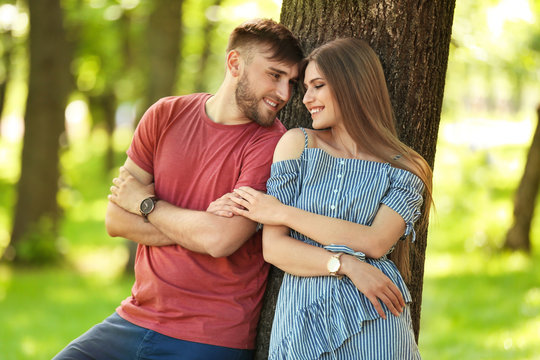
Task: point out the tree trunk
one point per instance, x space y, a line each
7 55
208 31
103 108
36 214
412 39
164 37
518 236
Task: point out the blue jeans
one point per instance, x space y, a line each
118 339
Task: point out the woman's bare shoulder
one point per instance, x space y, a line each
290 146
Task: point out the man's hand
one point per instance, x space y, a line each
224 205
128 193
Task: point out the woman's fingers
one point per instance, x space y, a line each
375 301
392 303
243 194
241 201
248 190
398 294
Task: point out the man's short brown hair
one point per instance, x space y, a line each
280 41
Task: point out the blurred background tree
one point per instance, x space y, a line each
35 223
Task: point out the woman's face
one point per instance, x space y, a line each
318 99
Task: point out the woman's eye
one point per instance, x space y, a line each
319 86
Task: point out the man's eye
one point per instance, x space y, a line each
275 76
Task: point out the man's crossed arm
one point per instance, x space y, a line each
204 232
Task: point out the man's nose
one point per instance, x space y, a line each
284 90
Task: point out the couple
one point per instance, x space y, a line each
340 199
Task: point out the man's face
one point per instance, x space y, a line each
264 88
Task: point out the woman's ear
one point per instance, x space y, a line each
233 63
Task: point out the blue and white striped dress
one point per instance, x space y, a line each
324 317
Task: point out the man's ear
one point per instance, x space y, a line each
234 63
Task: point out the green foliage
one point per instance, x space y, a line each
492 65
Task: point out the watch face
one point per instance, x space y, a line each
333 264
147 206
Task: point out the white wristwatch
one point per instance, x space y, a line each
334 264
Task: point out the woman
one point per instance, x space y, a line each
350 191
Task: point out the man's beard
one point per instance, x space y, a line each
248 103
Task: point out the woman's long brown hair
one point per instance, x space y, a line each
356 79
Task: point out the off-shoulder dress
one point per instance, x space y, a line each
324 317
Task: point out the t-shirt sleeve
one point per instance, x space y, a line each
257 161
283 182
405 198
143 145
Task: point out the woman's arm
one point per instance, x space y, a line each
298 258
374 241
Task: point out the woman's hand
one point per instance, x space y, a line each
374 284
258 206
128 193
224 205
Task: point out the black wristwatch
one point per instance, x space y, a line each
147 206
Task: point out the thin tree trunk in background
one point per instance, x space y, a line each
103 110
208 31
36 208
7 43
164 37
518 236
412 39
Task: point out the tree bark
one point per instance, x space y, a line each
49 83
412 40
164 37
518 236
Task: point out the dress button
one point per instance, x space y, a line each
332 207
342 162
339 175
335 190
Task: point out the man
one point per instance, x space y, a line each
199 277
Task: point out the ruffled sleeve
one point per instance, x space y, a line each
405 197
284 181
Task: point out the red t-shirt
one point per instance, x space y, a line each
177 292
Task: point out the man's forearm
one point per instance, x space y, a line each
132 227
201 231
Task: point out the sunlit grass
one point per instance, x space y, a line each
481 307
42 310
479 302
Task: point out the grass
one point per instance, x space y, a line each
42 310
478 302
